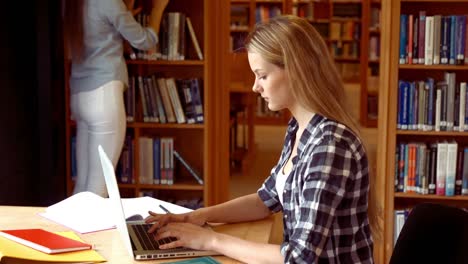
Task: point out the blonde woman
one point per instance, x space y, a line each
321 182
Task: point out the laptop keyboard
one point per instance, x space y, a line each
147 240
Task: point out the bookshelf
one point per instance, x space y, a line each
391 136
351 29
195 142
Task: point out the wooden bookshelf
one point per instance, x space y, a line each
389 135
370 62
205 145
357 55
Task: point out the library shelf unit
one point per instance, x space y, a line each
203 145
351 29
389 135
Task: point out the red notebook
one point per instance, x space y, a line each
44 241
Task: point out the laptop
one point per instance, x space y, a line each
139 244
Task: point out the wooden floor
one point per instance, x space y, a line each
269 141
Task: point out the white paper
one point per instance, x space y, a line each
87 212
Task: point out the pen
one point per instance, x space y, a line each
164 208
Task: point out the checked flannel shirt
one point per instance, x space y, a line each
325 195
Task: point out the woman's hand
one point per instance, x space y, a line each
131 7
196 217
187 235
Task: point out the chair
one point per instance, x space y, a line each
433 233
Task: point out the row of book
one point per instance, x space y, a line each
172 38
346 30
165 100
157 161
157 155
264 12
345 49
428 105
434 39
440 168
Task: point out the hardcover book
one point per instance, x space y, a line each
44 240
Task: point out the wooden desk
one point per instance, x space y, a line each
108 243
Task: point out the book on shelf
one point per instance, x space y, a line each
168 108
435 168
189 168
124 170
175 100
44 241
464 176
423 107
432 39
146 160
156 162
158 100
187 100
194 39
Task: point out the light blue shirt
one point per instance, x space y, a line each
106 24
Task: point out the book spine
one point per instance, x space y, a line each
403 37
459 173
427 170
415 40
441 173
465 172
409 44
159 103
451 168
397 168
143 99
175 100
430 104
445 39
152 100
438 104
170 157
429 42
189 168
421 36
194 39
437 25
453 39
450 103
156 160
461 38
411 105
170 116
462 107
421 105
401 168
185 95
433 169
197 99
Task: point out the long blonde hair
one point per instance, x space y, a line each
293 44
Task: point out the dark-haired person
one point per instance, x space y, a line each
96 30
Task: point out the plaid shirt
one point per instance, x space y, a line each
325 196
